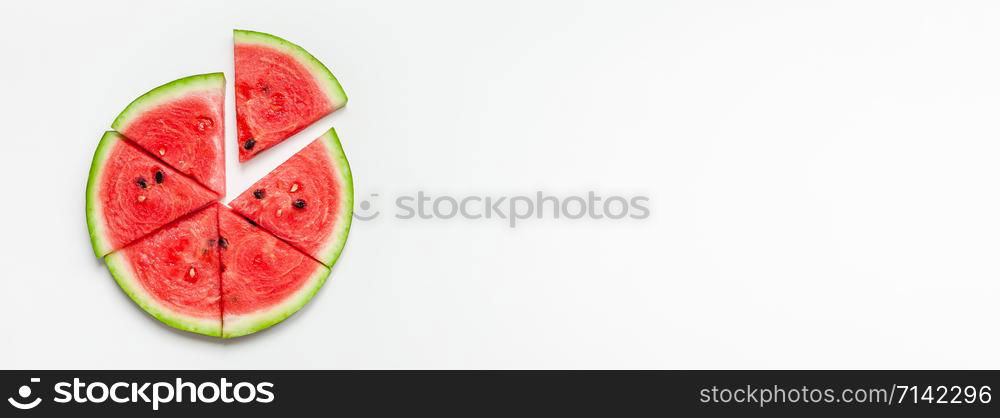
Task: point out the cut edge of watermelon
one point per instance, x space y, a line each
95 220
240 325
330 251
167 92
123 274
323 76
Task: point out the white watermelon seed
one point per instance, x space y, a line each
163 151
191 272
142 198
295 186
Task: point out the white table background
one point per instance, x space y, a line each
823 182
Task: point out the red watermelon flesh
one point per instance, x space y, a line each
264 280
306 201
182 123
280 90
130 194
174 273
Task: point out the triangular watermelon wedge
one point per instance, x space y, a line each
173 274
264 280
182 123
280 90
307 201
130 194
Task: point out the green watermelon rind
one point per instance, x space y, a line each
330 251
125 277
95 210
165 93
244 324
323 76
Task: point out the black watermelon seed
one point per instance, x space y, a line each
158 177
248 145
259 193
299 203
252 222
141 182
223 243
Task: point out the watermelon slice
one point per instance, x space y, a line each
264 280
280 90
130 194
182 122
174 273
307 201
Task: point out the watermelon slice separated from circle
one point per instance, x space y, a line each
280 90
264 280
130 194
173 274
307 201
181 122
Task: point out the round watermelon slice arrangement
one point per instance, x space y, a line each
152 210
